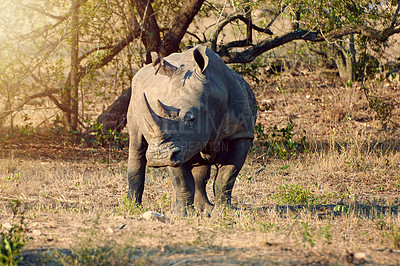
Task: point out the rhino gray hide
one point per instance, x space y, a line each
188 112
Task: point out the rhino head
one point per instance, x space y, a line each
181 126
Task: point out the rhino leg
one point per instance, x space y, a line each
184 186
231 161
136 167
201 176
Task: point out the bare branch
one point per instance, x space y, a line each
195 36
395 15
252 52
229 19
46 93
60 19
89 52
40 10
111 54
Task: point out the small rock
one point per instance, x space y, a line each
6 226
154 216
109 230
360 255
36 232
357 257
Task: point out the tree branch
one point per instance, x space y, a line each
46 93
395 15
229 19
87 53
60 19
252 52
40 10
112 53
179 26
150 33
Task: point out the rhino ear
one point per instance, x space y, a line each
201 58
162 66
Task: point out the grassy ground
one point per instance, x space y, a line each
332 199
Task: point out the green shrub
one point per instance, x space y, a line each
294 194
96 137
280 142
13 240
129 207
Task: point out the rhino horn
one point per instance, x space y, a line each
162 66
168 111
152 121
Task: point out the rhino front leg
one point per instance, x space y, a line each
136 169
184 186
201 176
231 161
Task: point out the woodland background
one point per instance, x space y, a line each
321 182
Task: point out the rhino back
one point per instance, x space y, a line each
241 106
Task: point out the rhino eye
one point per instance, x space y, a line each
189 118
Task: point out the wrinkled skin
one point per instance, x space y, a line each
188 112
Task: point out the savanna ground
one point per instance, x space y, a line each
332 199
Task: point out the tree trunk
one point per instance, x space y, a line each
150 32
346 60
114 117
74 64
185 16
69 94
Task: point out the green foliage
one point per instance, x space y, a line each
93 250
129 207
395 235
307 233
250 70
382 107
280 142
341 208
13 240
164 203
329 15
112 138
295 194
90 254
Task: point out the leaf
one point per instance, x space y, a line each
285 167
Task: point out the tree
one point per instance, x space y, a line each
335 22
107 30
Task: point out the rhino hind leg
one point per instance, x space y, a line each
184 186
231 161
201 176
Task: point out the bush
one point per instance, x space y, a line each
279 142
13 240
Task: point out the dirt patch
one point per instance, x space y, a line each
335 203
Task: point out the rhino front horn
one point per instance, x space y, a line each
162 66
151 121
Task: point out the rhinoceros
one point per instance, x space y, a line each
187 112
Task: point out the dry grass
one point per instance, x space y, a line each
73 197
